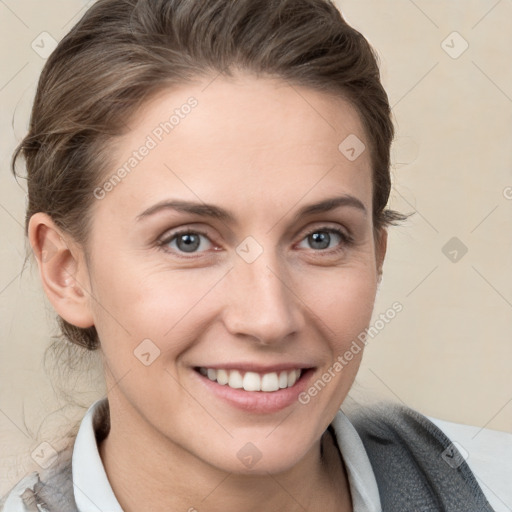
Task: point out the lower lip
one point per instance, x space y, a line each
258 401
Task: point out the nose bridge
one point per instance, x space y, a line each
264 305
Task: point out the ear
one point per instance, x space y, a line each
381 243
62 270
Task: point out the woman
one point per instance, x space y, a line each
207 207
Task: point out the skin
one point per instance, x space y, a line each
260 149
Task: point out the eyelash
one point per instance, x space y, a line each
346 240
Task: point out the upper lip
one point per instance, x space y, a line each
257 368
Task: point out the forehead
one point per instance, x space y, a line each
259 137
249 111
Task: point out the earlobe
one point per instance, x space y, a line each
61 270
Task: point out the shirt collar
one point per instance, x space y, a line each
93 492
363 486
92 489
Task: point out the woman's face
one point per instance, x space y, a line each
236 278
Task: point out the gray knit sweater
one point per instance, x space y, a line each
416 467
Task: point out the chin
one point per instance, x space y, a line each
245 457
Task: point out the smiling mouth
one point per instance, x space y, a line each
252 381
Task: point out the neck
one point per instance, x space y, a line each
143 477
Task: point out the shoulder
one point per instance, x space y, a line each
48 490
414 461
489 455
21 495
51 489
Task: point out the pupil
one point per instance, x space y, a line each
319 237
189 243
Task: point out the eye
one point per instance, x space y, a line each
185 241
188 241
321 239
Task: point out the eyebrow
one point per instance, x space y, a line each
216 212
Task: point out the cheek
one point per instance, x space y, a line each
342 299
341 305
133 304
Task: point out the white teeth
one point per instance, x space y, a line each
222 377
235 379
283 380
252 381
269 382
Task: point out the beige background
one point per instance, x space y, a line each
449 352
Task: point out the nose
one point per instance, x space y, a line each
262 304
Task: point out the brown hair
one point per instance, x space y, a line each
122 52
